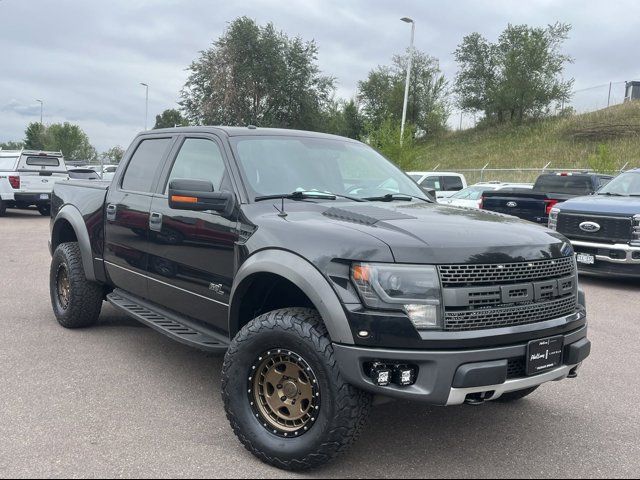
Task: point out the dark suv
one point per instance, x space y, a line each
323 274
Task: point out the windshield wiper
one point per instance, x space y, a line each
390 197
301 195
612 194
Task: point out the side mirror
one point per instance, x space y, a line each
198 196
430 192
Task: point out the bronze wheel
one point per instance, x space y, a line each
63 286
284 393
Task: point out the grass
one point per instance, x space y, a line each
576 141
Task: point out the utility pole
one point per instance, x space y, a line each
609 99
41 110
146 108
406 88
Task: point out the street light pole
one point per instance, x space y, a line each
146 108
406 88
41 109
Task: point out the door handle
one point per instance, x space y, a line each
155 222
112 211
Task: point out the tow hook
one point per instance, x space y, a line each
477 399
573 373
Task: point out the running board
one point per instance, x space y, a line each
169 323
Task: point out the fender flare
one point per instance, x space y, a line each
305 276
73 216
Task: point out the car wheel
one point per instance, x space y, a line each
45 210
515 396
76 301
3 208
284 395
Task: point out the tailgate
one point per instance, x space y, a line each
532 207
39 182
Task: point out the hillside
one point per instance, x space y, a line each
605 140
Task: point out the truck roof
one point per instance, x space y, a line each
249 131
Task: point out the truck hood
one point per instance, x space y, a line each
427 233
603 205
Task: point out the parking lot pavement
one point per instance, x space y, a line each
120 400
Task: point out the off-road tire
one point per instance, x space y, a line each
84 297
45 210
343 410
3 208
515 396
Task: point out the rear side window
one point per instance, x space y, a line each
569 184
8 163
143 165
452 184
43 162
199 159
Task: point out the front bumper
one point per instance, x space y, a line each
442 381
619 259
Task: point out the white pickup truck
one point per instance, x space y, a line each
27 179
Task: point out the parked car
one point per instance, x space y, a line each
445 184
108 172
27 179
604 228
549 190
83 174
321 290
471 197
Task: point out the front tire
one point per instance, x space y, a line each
76 301
278 359
3 208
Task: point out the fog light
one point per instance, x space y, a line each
381 375
423 317
404 375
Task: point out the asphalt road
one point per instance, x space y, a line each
120 400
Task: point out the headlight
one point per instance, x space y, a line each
414 289
553 218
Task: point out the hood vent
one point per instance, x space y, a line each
368 215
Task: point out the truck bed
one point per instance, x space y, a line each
523 203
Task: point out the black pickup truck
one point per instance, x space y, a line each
549 190
325 277
604 228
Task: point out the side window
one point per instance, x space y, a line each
142 166
453 184
433 183
199 159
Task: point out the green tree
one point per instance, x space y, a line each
169 119
518 77
256 75
343 118
35 136
71 141
113 156
386 138
11 145
382 94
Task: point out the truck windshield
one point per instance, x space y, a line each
279 165
43 162
566 184
626 184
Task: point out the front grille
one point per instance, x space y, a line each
612 229
495 274
510 316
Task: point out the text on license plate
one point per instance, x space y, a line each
44 196
586 259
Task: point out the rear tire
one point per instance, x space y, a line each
76 301
3 208
294 338
45 210
517 395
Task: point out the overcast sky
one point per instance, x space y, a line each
86 58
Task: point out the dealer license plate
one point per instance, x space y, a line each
543 355
586 259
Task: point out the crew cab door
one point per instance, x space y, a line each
191 261
127 215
